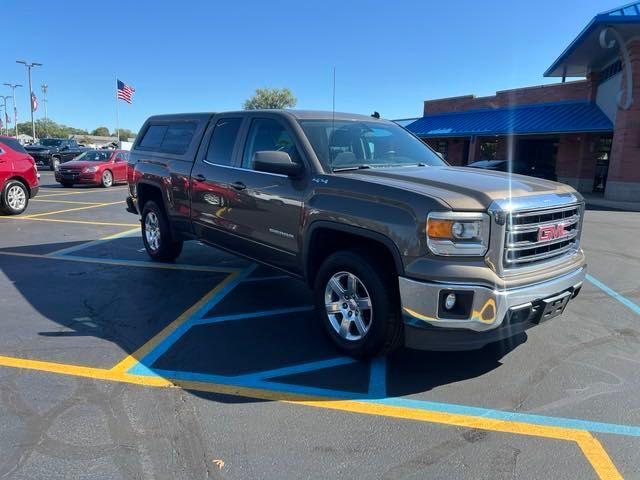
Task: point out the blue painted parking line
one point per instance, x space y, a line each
591 426
378 377
612 293
264 313
295 369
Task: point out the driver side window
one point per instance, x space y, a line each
267 134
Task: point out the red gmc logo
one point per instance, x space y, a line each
551 232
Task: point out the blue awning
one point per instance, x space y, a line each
546 118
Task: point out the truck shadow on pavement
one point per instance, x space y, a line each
263 333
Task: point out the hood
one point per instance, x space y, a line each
38 148
77 164
459 187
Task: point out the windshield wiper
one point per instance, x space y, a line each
353 167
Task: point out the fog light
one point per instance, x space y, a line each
450 301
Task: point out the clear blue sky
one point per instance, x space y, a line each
212 55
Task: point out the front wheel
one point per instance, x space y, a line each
54 165
156 234
358 305
15 198
107 179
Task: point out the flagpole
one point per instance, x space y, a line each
117 114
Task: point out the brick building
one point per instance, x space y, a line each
585 133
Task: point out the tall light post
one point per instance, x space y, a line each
3 121
13 87
29 67
45 87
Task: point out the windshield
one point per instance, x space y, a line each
349 144
94 156
50 142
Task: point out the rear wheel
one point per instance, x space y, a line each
358 305
15 198
107 179
156 234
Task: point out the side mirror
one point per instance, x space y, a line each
273 161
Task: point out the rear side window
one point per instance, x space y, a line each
153 137
170 138
13 144
222 141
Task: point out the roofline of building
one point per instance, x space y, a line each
604 17
505 134
512 107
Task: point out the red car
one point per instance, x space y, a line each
94 167
18 176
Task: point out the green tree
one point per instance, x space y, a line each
271 98
125 134
101 132
49 128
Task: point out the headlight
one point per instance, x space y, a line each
458 233
90 170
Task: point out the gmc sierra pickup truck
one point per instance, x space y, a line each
398 246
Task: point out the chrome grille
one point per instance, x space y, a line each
523 245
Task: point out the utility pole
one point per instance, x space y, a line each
13 87
29 67
45 87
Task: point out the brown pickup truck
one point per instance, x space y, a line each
399 247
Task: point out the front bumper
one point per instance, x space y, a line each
494 314
78 178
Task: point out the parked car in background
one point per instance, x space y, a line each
18 177
94 167
522 168
51 152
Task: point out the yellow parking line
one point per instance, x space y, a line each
46 195
64 201
83 222
37 215
590 446
132 359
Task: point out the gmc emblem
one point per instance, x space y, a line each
551 232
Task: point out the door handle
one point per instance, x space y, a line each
200 178
238 185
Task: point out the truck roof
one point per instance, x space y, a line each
298 114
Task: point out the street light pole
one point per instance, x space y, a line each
13 87
29 67
3 120
45 87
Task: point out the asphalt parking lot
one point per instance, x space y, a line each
115 367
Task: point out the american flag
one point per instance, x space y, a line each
125 92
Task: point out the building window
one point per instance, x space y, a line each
488 150
602 153
610 71
442 147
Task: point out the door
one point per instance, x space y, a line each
211 195
120 167
265 209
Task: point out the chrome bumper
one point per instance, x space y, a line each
489 306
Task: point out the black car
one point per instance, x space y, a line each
51 152
521 168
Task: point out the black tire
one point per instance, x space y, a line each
166 249
14 191
66 184
385 324
54 164
107 179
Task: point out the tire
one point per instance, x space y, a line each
156 234
54 164
66 184
379 317
107 179
15 198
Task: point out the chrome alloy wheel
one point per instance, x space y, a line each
152 231
107 178
16 198
348 306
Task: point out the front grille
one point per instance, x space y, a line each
524 246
